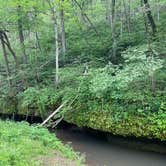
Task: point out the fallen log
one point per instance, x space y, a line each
57 122
53 114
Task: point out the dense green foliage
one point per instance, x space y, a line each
138 124
22 145
112 75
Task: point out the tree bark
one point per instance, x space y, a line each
21 36
37 43
127 17
5 58
113 29
121 20
150 17
108 11
158 10
54 18
63 33
56 46
7 42
53 114
91 6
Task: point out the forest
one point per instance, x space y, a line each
99 64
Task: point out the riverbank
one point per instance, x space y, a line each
25 145
122 123
149 125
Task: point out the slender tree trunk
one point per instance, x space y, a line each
6 58
86 16
7 42
91 6
63 33
121 20
127 17
21 36
108 11
158 10
82 13
150 17
146 25
37 43
152 75
56 46
151 71
113 29
54 17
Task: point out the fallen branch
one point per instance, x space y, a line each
57 122
55 112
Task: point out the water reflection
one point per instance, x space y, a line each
99 152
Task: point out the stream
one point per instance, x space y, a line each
99 152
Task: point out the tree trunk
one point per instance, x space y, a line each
113 29
6 58
91 6
108 11
150 17
21 36
63 33
10 49
37 43
145 22
121 20
56 46
158 10
127 16
86 17
54 17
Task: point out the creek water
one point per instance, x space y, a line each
99 152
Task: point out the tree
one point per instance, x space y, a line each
5 57
54 18
21 35
127 15
63 33
113 29
149 16
108 11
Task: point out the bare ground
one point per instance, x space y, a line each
56 160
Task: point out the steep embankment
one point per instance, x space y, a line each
152 126
128 100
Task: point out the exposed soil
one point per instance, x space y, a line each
56 160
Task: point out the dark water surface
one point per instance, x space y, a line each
100 152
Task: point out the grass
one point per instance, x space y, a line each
21 145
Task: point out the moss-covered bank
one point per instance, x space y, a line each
152 126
